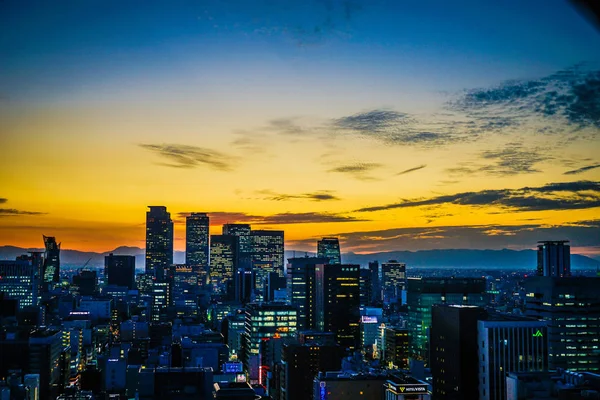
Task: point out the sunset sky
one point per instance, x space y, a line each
396 125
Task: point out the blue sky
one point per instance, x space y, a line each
52 49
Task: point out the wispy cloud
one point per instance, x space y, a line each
512 159
582 169
553 196
223 217
584 233
358 171
572 94
11 212
186 156
3 200
406 171
322 195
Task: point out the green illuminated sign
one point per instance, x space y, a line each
538 334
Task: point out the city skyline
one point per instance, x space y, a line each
389 126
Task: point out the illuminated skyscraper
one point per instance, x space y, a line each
242 232
197 243
329 247
571 307
19 281
393 280
159 241
554 258
223 260
423 293
338 302
303 289
267 254
51 260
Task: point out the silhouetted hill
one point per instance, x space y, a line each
453 258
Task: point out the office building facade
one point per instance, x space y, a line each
223 260
120 270
554 258
393 281
571 308
197 246
19 281
508 344
267 254
329 248
424 293
454 351
159 241
51 260
338 302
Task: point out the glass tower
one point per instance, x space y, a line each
197 243
51 260
329 247
159 241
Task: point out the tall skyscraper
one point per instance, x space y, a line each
571 308
120 270
303 289
159 241
454 351
243 233
197 243
375 281
508 344
19 281
338 302
266 320
329 247
554 258
51 260
223 260
423 293
267 254
393 280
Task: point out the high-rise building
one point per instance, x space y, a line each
161 298
393 280
267 254
329 247
302 362
120 270
375 281
338 302
508 344
396 347
197 243
302 289
571 308
223 260
45 347
265 320
243 233
454 351
424 293
51 260
86 281
159 241
554 258
366 287
19 281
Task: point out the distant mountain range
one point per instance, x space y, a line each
453 258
